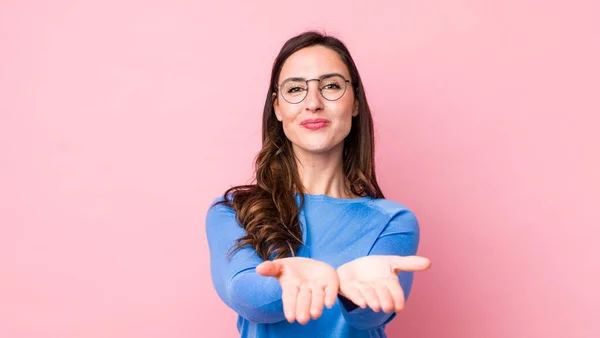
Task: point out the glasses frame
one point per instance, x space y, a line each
326 76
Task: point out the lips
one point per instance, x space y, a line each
314 124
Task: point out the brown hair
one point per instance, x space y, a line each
268 210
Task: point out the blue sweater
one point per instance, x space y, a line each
334 231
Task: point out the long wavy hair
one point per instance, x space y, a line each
268 209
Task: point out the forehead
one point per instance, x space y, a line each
312 62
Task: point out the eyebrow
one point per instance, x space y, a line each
320 77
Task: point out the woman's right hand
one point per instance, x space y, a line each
307 285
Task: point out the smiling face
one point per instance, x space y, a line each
316 124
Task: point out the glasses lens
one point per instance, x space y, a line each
294 91
333 87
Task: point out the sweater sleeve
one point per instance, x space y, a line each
254 297
400 237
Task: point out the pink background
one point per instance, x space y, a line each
122 120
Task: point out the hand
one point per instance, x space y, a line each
307 285
373 280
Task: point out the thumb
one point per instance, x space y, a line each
268 268
410 263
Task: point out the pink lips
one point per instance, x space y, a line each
314 124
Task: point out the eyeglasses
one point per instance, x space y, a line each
331 86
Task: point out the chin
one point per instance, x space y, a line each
317 148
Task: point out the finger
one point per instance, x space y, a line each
371 297
385 298
316 304
397 295
303 304
353 294
410 263
268 268
288 298
331 292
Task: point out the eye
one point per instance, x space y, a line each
295 89
332 85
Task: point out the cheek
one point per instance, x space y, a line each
344 116
290 124
344 126
288 112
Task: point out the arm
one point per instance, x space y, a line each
252 296
401 238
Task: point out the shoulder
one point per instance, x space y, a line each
388 207
220 204
401 218
218 211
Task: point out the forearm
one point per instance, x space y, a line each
252 296
255 297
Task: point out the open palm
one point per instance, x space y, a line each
372 280
307 285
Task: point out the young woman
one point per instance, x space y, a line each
313 249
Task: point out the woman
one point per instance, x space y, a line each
313 249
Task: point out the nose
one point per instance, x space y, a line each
313 100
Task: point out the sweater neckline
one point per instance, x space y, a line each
323 197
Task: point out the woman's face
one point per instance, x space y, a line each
315 124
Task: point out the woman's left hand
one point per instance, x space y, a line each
373 280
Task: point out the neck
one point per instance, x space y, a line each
323 173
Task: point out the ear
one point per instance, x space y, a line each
276 107
355 109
